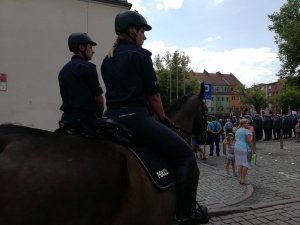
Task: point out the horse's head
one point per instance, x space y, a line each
190 113
200 119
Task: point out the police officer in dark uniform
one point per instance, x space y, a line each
267 126
81 93
257 125
294 123
286 126
277 124
132 92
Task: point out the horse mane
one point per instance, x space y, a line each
9 128
175 106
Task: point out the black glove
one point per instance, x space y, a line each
167 122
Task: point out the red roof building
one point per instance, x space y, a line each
225 100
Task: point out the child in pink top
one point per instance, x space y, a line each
229 142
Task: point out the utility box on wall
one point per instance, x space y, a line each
33 49
3 82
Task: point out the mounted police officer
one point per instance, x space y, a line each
81 93
132 92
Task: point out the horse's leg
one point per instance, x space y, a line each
144 204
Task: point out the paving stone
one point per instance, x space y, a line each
280 222
255 221
263 220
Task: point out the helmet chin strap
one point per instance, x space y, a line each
83 53
132 36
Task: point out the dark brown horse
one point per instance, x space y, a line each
47 179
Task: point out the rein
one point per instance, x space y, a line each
181 132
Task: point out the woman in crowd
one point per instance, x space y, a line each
243 149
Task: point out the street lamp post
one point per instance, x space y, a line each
170 87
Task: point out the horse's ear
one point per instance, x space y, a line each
202 90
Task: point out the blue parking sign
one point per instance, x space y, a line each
207 93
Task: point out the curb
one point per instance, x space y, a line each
223 209
216 212
220 207
242 198
279 202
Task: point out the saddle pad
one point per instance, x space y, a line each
157 168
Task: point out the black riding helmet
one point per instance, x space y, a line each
75 39
130 18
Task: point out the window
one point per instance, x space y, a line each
232 89
270 86
227 99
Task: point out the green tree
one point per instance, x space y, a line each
286 25
174 76
253 96
289 98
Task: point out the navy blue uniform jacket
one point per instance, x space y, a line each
129 76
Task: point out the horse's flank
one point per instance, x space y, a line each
72 180
57 180
48 179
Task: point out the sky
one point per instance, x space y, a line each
227 36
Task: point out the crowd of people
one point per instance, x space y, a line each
239 134
268 126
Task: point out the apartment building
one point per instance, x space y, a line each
225 100
271 91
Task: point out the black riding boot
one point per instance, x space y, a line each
188 211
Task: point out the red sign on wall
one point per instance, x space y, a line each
3 82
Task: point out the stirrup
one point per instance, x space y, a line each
200 210
199 215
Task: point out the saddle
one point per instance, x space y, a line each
156 167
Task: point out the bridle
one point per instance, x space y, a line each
187 135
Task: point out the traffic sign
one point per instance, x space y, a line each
207 93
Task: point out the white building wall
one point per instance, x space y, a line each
33 48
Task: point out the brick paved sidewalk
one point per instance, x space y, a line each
274 187
216 190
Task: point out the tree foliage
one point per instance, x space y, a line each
289 98
174 76
253 96
286 25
